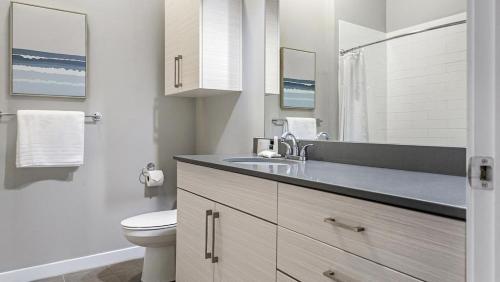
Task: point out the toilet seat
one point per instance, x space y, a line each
151 221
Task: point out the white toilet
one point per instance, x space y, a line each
156 232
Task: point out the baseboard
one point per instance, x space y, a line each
71 265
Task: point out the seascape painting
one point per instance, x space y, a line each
298 83
48 52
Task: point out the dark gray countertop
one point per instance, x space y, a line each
437 194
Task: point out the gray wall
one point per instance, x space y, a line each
52 214
368 13
310 26
227 124
405 13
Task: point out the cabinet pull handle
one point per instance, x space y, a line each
207 254
176 60
215 258
334 222
179 78
331 274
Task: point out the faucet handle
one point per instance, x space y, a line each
323 134
303 151
288 148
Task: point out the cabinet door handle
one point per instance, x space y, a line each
176 63
215 258
179 65
334 222
331 274
207 214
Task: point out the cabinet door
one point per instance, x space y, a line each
182 32
222 44
272 72
193 226
171 48
245 247
188 39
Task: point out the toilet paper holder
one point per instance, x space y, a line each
149 167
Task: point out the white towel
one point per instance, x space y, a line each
302 128
50 138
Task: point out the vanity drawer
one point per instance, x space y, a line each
253 195
425 246
307 259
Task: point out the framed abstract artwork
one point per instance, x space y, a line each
298 79
48 52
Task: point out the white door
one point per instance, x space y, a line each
483 218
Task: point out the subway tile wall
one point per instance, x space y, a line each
426 86
417 89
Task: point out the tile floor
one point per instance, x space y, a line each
128 271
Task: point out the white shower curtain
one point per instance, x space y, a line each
353 94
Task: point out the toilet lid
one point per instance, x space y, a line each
151 220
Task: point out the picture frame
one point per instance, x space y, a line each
297 79
48 52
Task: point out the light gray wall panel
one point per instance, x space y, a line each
227 124
405 13
53 214
368 13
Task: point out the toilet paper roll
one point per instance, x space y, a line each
154 178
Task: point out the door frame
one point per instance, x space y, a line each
483 220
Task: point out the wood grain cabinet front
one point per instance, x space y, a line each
219 243
235 227
253 195
203 47
431 248
307 259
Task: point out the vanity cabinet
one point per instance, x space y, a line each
203 47
262 230
310 260
429 247
217 242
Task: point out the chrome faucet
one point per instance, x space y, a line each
294 151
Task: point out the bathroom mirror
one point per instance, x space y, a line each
386 71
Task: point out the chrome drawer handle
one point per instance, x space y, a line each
330 274
215 258
334 222
207 254
176 64
179 67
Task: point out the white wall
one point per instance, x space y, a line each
427 73
227 124
51 214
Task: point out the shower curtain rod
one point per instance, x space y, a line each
343 52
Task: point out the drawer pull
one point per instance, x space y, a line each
215 258
334 222
207 254
330 274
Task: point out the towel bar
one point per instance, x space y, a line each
97 116
281 122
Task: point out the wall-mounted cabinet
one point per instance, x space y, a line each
203 47
272 60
